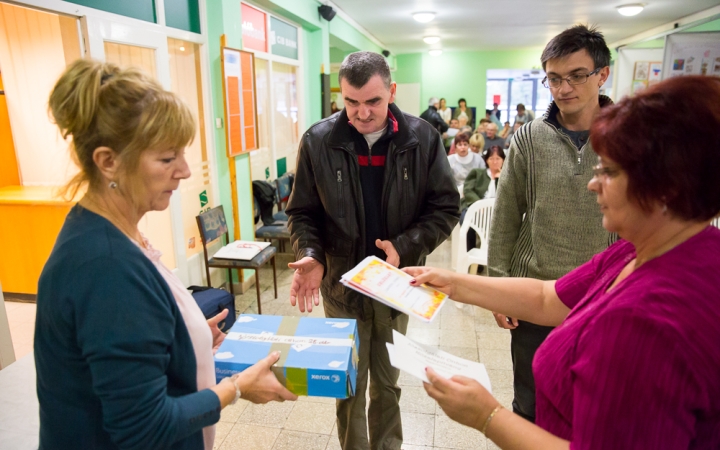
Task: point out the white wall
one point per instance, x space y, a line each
407 98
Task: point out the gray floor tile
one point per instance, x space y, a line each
233 412
496 359
250 437
501 379
311 418
418 428
270 415
416 400
456 322
333 444
493 341
222 429
296 440
451 434
424 336
461 337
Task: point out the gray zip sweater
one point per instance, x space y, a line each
545 222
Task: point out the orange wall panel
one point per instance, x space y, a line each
9 174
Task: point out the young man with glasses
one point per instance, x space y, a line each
545 222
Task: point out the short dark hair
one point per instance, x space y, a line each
668 158
520 106
577 38
462 100
462 137
493 150
357 69
484 120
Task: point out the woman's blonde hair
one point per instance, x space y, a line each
477 140
102 105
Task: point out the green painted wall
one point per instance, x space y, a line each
223 17
348 34
459 74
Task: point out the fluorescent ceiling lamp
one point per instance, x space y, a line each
424 17
431 39
435 52
630 10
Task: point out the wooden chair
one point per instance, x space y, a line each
212 226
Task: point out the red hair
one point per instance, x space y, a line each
667 139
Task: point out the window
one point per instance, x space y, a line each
516 86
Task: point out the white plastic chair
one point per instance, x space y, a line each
716 222
478 218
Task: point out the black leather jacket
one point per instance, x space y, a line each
325 209
432 116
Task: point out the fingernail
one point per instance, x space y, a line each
413 281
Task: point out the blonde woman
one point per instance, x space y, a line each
123 353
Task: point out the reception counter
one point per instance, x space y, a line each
30 220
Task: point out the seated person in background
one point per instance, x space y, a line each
477 143
481 128
431 116
491 136
467 130
512 132
462 113
523 115
506 130
444 111
450 133
334 108
481 183
634 362
492 118
463 161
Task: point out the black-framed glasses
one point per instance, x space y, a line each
600 171
572 80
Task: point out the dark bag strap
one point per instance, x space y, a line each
198 288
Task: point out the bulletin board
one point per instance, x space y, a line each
240 101
692 54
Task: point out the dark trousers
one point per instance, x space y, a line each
526 339
471 234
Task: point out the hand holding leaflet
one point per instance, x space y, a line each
413 358
389 285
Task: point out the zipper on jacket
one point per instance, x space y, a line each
578 166
406 192
341 199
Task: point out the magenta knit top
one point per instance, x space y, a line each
638 367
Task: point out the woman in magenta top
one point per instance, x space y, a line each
634 362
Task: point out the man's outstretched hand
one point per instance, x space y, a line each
305 286
393 258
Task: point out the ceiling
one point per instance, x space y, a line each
465 25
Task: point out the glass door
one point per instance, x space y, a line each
128 45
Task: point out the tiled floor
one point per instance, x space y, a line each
309 423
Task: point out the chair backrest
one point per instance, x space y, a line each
283 188
212 224
478 217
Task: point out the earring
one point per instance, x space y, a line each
112 185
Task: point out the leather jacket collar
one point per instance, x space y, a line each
340 135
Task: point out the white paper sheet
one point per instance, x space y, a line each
245 250
413 358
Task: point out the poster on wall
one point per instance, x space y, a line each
283 39
641 70
692 54
253 28
655 73
240 101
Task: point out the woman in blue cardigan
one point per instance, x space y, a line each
123 353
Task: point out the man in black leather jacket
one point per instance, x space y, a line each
432 116
370 180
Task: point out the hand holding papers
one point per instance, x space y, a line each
245 250
413 358
391 286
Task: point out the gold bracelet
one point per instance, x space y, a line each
487 421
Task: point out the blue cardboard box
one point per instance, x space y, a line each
318 356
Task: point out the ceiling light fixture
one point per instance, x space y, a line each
431 39
424 17
632 9
435 52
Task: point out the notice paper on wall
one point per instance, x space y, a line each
389 285
413 358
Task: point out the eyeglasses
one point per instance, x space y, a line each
572 80
604 172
